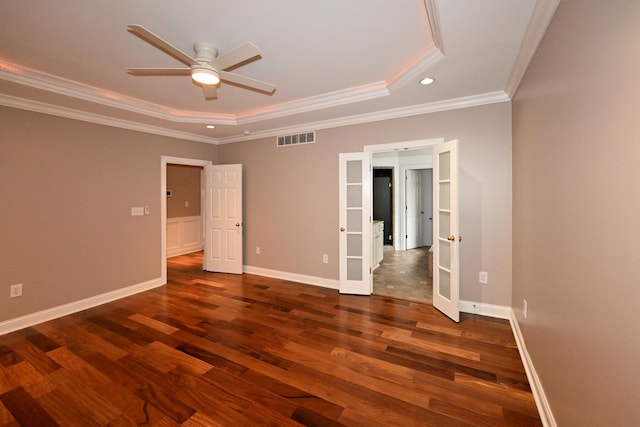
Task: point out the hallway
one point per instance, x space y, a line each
403 275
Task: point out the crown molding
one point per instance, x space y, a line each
434 23
70 113
313 103
540 19
414 110
39 80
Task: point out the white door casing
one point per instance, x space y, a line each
446 276
355 223
164 161
223 219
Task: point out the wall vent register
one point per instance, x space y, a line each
296 139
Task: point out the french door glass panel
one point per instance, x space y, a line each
354 224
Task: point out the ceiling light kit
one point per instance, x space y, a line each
207 68
205 75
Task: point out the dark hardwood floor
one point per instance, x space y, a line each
225 350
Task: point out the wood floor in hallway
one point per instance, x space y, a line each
242 350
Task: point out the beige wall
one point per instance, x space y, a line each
67 188
291 194
577 212
185 185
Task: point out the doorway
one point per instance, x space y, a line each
164 162
383 201
403 272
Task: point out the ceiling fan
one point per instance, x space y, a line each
207 68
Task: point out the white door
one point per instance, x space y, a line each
223 219
427 207
413 207
446 276
355 224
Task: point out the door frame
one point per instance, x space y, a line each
164 161
396 146
400 146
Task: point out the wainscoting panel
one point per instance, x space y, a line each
184 235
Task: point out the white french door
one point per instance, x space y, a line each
446 276
223 219
355 223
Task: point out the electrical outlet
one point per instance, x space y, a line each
524 308
483 277
325 259
15 290
146 210
257 250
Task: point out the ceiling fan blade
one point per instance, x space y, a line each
236 56
161 44
210 92
247 81
159 71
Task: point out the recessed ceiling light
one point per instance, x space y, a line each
427 81
210 127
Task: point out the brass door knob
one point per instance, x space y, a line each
451 238
342 229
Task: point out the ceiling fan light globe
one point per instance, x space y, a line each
205 76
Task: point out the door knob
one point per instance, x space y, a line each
451 238
237 224
342 228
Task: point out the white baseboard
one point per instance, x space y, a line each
73 307
300 278
534 381
184 250
491 310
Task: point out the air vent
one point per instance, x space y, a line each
296 139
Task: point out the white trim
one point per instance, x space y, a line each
164 161
403 145
293 277
184 226
413 110
484 309
542 403
434 23
540 19
70 113
73 307
425 60
394 113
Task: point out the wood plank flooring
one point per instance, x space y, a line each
225 350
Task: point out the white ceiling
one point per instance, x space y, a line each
334 62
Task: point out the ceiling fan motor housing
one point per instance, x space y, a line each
205 52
